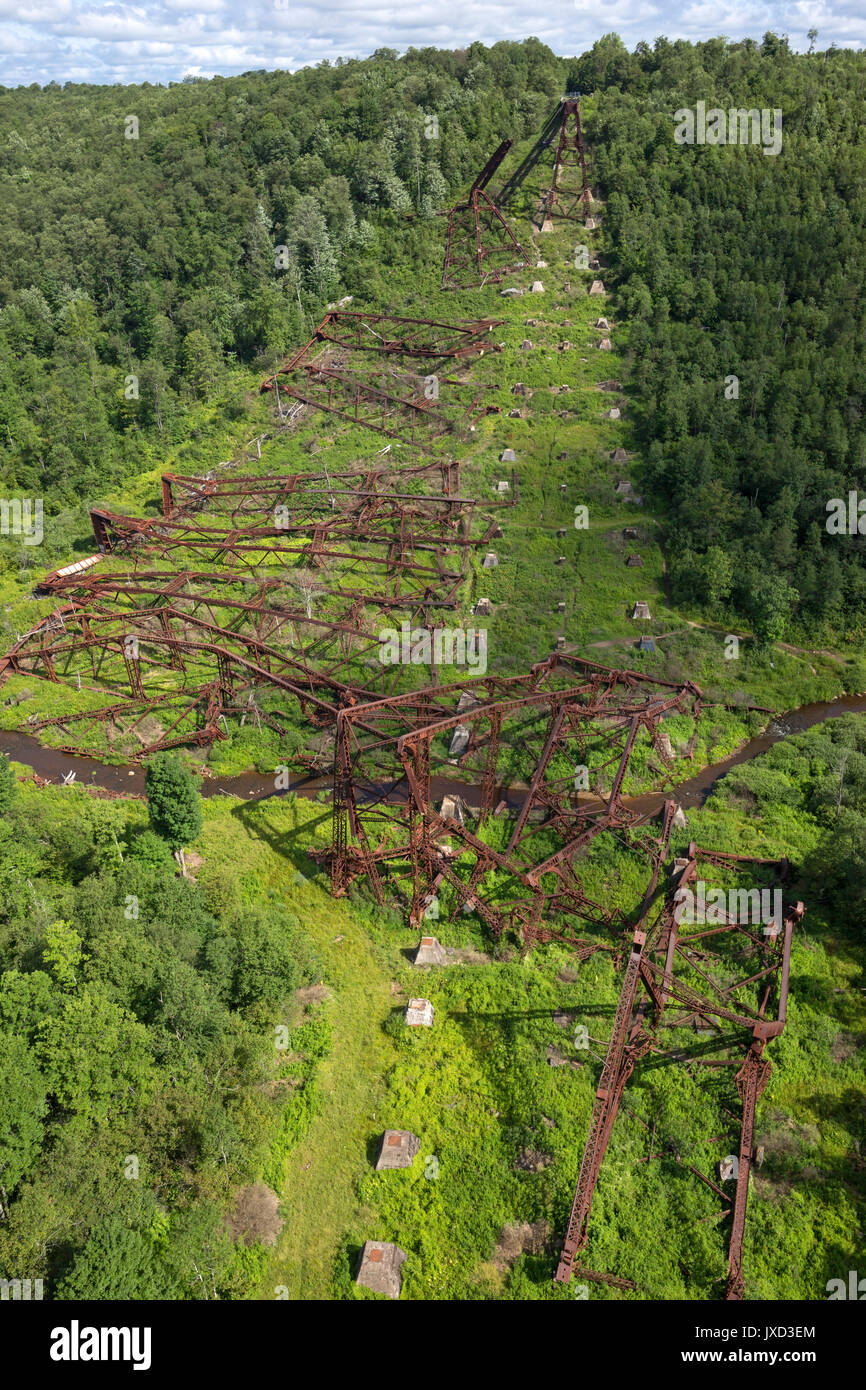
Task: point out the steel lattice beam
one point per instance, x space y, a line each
357 366
636 1024
166 635
480 246
382 745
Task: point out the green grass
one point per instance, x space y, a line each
322 1170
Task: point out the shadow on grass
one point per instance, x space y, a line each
288 844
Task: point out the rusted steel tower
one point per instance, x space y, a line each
662 960
481 247
569 197
556 167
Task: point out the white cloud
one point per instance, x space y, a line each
50 10
195 6
161 40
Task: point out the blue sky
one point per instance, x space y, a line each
162 40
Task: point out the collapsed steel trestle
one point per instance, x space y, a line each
661 960
480 246
352 368
173 636
187 640
559 713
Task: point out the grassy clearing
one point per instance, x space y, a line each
319 1180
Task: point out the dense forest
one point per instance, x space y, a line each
160 242
142 1081
740 264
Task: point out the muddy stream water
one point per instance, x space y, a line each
53 765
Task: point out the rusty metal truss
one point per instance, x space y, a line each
400 820
699 974
239 494
413 544
401 377
565 713
569 197
411 554
191 640
480 246
154 643
558 162
436 340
